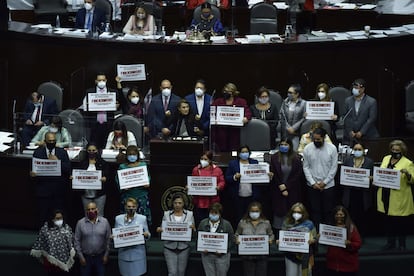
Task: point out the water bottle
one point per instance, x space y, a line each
57 21
163 34
108 28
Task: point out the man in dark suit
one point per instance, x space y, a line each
50 190
361 115
90 17
38 111
161 108
200 104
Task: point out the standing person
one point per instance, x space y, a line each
94 162
63 137
200 104
140 23
216 264
90 17
292 114
397 206
54 245
37 112
92 238
227 138
176 253
287 183
297 219
139 193
100 122
132 260
344 261
358 200
361 115
120 138
50 191
206 167
254 223
161 108
135 106
266 111
320 163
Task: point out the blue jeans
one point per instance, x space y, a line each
94 264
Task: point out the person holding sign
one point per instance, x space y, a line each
358 200
216 264
297 219
176 252
208 169
254 223
227 137
140 193
135 103
397 205
50 173
132 260
344 261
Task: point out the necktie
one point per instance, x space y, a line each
165 103
37 117
89 21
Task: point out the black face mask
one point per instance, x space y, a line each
92 155
318 144
50 146
226 96
396 155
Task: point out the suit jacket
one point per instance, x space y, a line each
48 110
156 114
364 121
205 116
233 186
98 19
53 185
135 252
169 216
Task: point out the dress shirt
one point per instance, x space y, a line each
92 238
89 19
358 104
200 105
320 164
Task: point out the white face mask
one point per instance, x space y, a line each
166 92
297 216
199 92
134 100
355 91
58 222
204 163
321 95
88 6
53 129
101 84
254 215
358 153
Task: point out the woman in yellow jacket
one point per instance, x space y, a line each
397 205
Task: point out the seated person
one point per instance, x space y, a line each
306 138
63 138
37 112
140 23
120 137
207 23
90 17
183 122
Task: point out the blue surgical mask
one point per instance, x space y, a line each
53 129
244 155
358 153
214 217
264 100
355 91
132 158
283 148
206 14
290 96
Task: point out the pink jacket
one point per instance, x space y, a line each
213 170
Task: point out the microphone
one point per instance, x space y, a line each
346 115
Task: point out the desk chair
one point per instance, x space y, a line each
256 134
338 94
135 126
106 6
74 122
54 90
214 10
263 19
306 125
45 11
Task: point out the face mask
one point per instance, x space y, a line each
92 215
355 91
226 96
134 100
283 148
244 155
321 95
131 211
166 92
53 129
296 216
101 84
88 6
206 14
290 96
50 146
396 155
199 92
254 215
141 16
263 100
58 222
318 144
132 158
358 153
92 155
204 163
213 218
